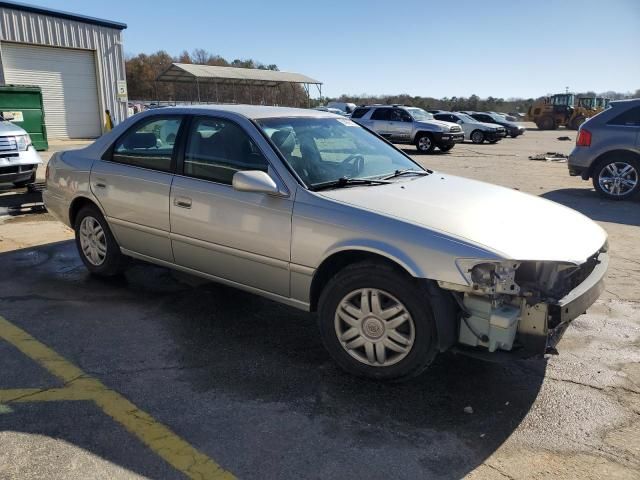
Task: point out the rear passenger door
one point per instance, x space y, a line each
382 122
132 183
242 237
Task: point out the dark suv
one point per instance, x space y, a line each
512 128
608 150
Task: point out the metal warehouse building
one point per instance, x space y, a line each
77 61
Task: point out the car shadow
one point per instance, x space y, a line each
222 366
19 201
588 202
413 151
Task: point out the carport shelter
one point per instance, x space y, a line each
262 83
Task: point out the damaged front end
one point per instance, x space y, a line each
524 307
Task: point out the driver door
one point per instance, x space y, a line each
241 237
401 125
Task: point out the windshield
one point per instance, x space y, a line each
497 118
419 114
466 118
323 150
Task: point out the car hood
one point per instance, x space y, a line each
8 128
512 224
444 125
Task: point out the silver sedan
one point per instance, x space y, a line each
310 209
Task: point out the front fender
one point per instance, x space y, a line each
381 248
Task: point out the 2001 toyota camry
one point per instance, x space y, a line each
312 210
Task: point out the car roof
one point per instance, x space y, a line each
249 111
626 102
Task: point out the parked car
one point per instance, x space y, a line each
18 157
347 108
336 111
474 130
512 129
311 210
507 116
409 125
608 150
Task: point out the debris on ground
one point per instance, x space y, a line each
468 410
565 139
549 157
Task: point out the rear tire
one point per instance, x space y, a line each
477 136
617 177
424 143
388 316
97 246
546 123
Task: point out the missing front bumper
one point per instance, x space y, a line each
528 330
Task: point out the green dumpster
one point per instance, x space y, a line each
24 104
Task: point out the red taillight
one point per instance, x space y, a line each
584 138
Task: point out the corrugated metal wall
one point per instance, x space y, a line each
33 28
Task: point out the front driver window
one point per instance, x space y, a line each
217 149
149 144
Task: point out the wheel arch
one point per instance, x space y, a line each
77 204
611 153
341 257
444 307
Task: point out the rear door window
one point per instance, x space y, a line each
359 112
381 114
149 144
630 118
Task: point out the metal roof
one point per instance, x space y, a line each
187 72
61 14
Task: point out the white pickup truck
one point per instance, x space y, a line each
18 158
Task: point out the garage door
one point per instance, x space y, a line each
68 81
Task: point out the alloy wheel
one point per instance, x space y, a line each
424 143
374 327
618 179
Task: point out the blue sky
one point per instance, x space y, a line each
433 48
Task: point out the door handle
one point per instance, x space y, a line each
182 202
100 185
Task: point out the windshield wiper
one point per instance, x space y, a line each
347 182
406 171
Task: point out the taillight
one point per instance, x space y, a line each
584 138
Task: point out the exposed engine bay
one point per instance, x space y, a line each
524 306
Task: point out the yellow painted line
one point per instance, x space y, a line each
80 386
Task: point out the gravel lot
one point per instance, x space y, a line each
247 383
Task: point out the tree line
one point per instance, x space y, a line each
472 103
143 69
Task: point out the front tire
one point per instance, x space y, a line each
445 148
617 177
97 246
376 322
424 143
477 136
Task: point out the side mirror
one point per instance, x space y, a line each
459 122
255 181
